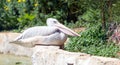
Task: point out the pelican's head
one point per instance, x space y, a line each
52 21
61 27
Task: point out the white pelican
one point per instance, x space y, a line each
54 33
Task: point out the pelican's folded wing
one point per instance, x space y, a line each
37 31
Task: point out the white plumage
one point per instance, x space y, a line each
53 33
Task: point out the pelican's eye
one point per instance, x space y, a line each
55 21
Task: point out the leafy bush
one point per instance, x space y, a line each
93 41
63 10
116 11
26 20
75 13
26 13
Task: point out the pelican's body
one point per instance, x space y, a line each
54 33
37 31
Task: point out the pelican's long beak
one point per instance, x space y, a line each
66 30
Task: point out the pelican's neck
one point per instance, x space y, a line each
63 36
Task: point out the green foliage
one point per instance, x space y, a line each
7 22
74 13
27 13
116 11
93 41
26 20
91 15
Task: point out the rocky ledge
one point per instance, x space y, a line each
44 55
51 55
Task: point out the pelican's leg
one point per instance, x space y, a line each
62 47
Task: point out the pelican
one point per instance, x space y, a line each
54 33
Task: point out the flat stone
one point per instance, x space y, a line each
7 48
55 56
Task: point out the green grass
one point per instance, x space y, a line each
14 60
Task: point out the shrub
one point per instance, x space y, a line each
63 10
93 41
26 13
